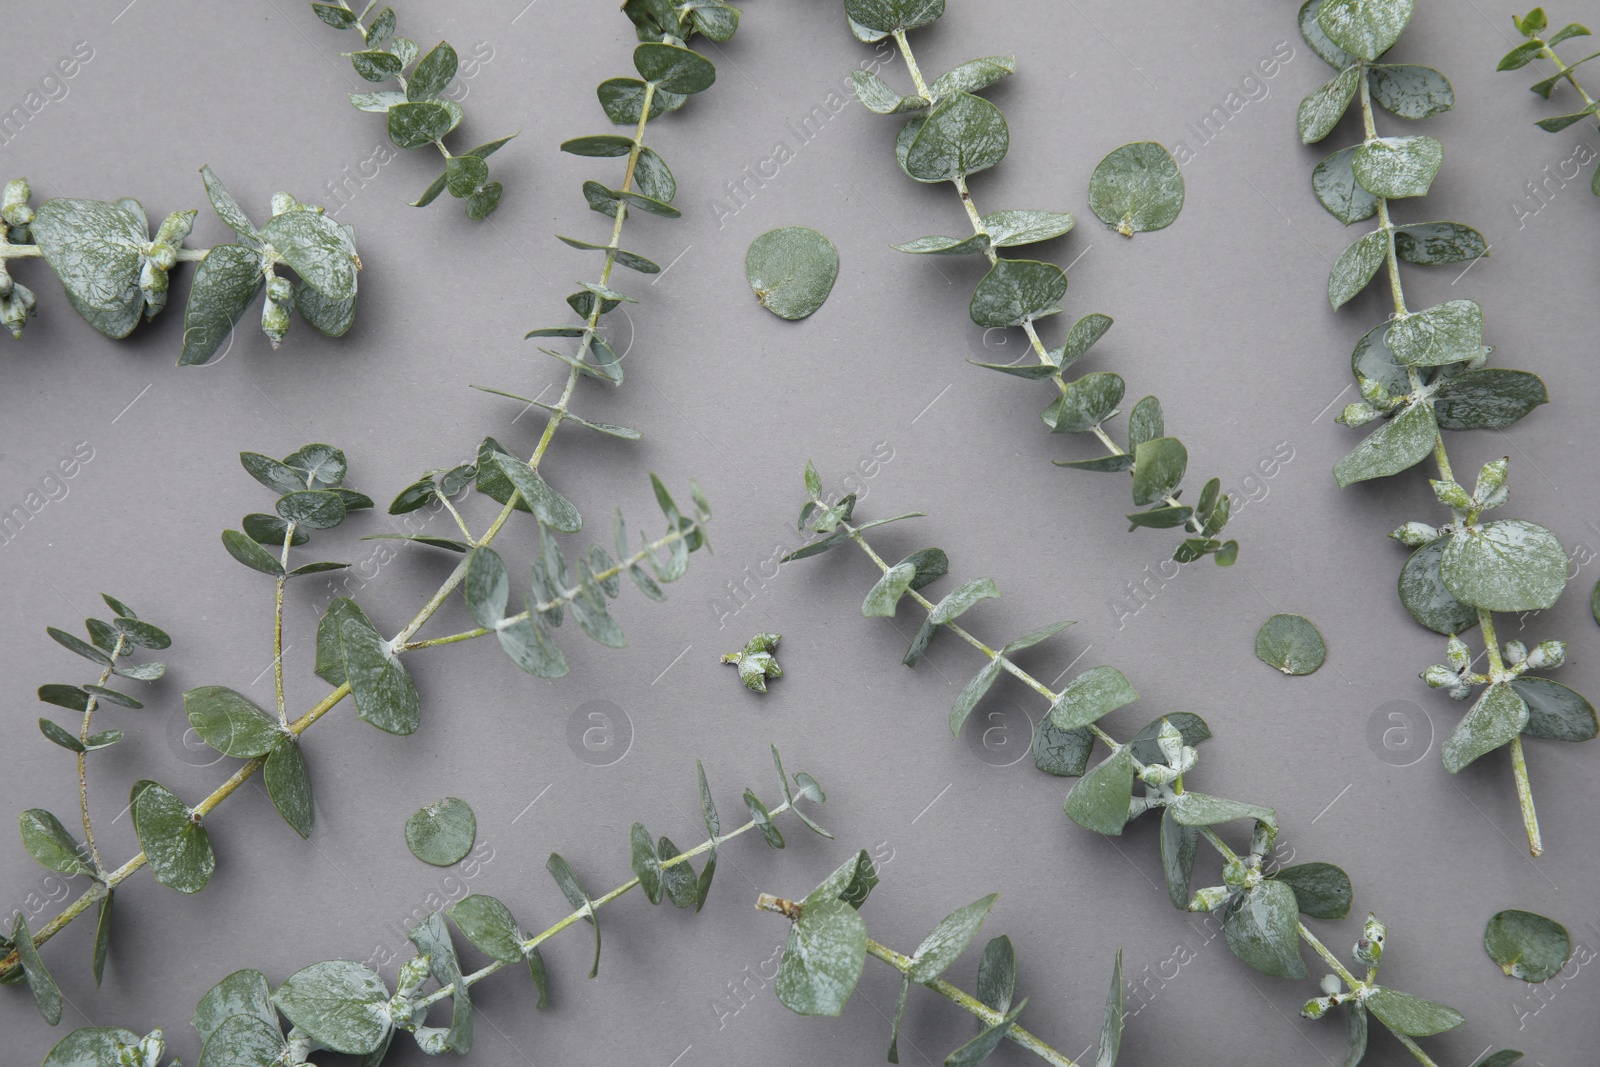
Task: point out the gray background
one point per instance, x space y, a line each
1223 316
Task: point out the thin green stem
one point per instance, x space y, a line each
1519 762
83 761
594 905
1564 71
277 624
10 251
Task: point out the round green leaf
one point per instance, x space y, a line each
1496 719
822 960
1365 28
1334 182
289 786
677 70
1398 166
1527 946
1423 592
791 270
1321 111
1410 91
230 723
1137 188
48 842
91 1046
319 249
1488 399
1291 644
314 509
178 848
95 250
1506 565
1262 928
886 16
1411 1015
224 284
962 135
1451 332
1555 712
1397 445
1017 290
340 1004
442 832
418 122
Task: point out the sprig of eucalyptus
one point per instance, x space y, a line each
115 272
1424 372
828 948
1260 903
953 134
352 655
418 113
1535 47
346 1007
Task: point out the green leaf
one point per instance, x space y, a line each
289 786
982 1047
1334 182
230 723
314 509
1099 801
339 1004
432 938
1137 188
886 16
1034 637
1008 229
102 938
1201 809
384 693
1356 267
1064 753
1506 565
567 880
70 697
340 18
763 820
1178 844
1435 243
1146 423
1096 692
1398 166
962 135
49 843
1291 644
948 940
1084 333
1423 592
899 1017
623 100
178 848
226 207
224 284
1262 928
884 597
45 994
330 652
1365 28
1191 727
91 1046
1088 401
1410 91
601 145
654 180
962 598
1158 468
464 174
488 924
441 833
245 549
1397 445
553 509
1495 719
974 75
245 1041
1503 1058
319 249
1557 123
1321 111
1527 946
241 993
1488 399
823 958
973 692
1015 291
879 98
1321 890
675 69
1411 1015
646 862
945 246
420 122
1451 332
1111 1020
95 249
791 270
1555 712
1321 44
432 73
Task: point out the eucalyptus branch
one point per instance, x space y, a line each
1535 47
352 655
114 272
1425 372
347 1007
828 947
1259 903
418 113
953 134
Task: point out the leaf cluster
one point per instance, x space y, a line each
417 113
1532 26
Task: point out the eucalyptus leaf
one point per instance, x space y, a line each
1555 712
1495 719
1397 445
1505 565
1178 844
51 846
1262 928
1435 243
1395 167
224 284
1356 266
1008 229
1158 468
1411 91
553 509
997 974
1425 596
1291 644
1087 402
962 135
1096 692
95 249
949 939
177 847
1411 1015
823 958
1527 946
1451 332
1322 109
1015 291
46 995
1488 399
884 597
441 833
1365 28
1321 890
791 270
384 693
288 785
1099 801
488 924
1334 182
231 723
1137 188
339 1004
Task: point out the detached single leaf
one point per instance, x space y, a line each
1137 188
1291 644
441 833
1527 946
791 270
